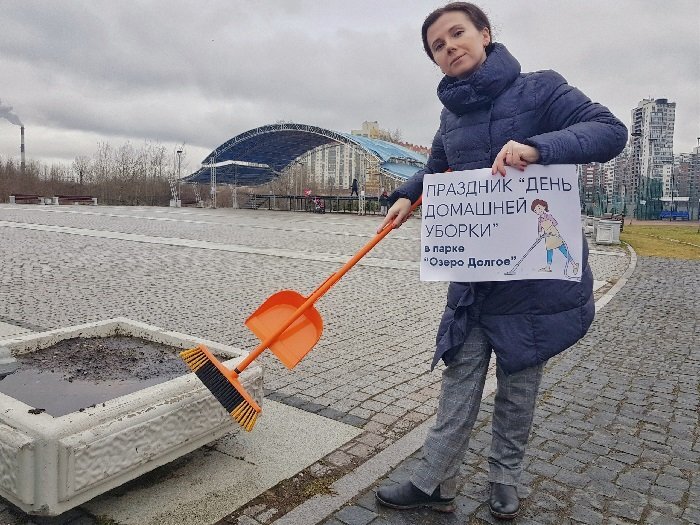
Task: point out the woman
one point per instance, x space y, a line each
547 228
496 116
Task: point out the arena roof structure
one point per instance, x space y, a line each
259 155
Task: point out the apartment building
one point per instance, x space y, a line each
651 146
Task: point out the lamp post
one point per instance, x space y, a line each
212 180
636 195
301 177
234 190
673 187
298 182
179 196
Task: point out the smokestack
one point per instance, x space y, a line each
6 113
21 149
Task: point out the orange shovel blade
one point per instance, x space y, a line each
296 341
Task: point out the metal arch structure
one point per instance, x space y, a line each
259 155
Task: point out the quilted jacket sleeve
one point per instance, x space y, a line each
574 130
437 163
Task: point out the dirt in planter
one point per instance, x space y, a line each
78 373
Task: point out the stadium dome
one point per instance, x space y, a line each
259 155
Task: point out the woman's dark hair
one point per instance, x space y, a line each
474 13
541 203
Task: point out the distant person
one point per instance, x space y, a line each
496 116
354 188
383 202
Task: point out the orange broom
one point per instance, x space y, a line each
287 323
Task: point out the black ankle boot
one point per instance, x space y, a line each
503 501
407 496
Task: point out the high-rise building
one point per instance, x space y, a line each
590 186
607 178
688 179
652 128
333 166
651 153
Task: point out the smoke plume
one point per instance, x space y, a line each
6 113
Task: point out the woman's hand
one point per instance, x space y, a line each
399 213
514 154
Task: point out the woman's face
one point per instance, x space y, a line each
458 47
539 209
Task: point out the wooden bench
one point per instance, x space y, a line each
23 198
75 199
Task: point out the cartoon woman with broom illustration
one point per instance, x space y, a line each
547 227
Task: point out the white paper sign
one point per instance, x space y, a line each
482 227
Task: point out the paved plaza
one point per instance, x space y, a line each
616 436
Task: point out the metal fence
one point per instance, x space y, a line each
331 203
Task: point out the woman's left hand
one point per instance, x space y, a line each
514 154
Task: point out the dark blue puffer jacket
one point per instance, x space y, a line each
527 321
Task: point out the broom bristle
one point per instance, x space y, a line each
227 390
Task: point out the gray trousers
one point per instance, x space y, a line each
462 386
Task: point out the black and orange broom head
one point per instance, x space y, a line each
223 383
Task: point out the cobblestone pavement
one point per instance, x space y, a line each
616 437
198 271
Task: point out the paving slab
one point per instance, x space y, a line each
9 364
9 330
214 480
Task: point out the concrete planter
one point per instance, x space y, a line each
608 232
49 465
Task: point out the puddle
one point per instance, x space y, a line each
51 391
78 373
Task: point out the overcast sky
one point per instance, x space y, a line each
81 72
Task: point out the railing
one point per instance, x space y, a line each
333 203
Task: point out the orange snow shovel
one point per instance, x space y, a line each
287 323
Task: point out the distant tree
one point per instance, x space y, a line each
58 172
103 165
396 135
125 175
81 168
126 161
156 162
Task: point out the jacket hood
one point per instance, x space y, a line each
499 70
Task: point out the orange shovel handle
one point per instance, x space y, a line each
327 284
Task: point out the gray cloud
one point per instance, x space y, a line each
175 71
